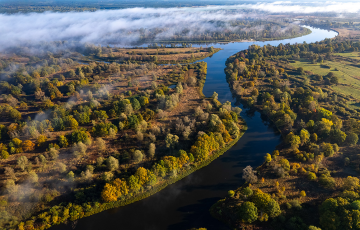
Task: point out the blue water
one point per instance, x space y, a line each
186 204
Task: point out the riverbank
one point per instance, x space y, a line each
185 204
307 169
79 209
306 32
157 188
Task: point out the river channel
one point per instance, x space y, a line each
186 203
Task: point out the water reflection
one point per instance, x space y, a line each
186 203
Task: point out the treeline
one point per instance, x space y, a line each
104 146
307 115
237 30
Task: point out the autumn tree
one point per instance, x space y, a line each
267 158
109 193
142 175
41 140
121 187
63 142
28 146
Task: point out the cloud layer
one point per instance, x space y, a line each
123 26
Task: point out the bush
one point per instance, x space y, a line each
327 182
231 193
295 204
311 176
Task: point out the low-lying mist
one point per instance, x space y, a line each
125 26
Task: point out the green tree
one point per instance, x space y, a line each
337 136
311 176
63 142
248 212
247 192
351 183
70 176
273 209
327 148
134 185
352 138
79 136
143 100
135 104
304 136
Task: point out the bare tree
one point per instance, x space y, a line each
152 148
9 172
112 163
112 133
249 174
155 130
138 156
152 137
100 143
139 136
186 133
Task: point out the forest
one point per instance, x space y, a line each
310 181
77 139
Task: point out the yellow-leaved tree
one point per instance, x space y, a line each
109 193
121 187
142 175
28 146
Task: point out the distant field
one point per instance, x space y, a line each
349 76
353 55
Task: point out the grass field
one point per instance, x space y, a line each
353 55
349 75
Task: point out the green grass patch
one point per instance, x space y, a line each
347 74
353 55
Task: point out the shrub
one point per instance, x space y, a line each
311 176
231 193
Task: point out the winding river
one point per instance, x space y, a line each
186 204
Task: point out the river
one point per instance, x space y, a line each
186 204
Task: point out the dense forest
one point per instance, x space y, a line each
77 139
311 180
